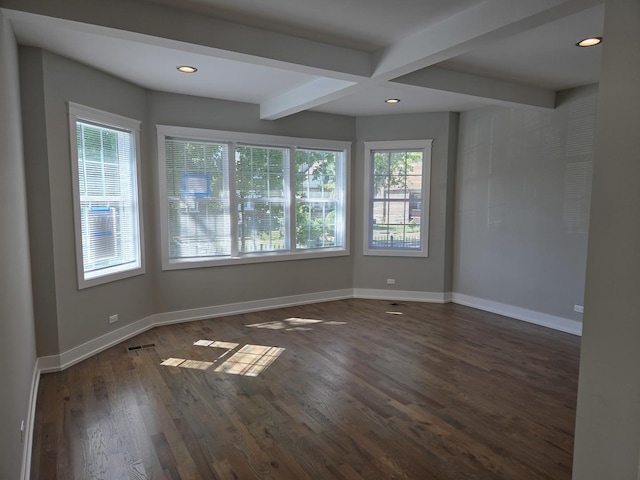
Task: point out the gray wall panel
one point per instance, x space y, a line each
37 176
522 204
17 329
607 440
411 274
82 315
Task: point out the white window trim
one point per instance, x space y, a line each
117 272
207 135
426 189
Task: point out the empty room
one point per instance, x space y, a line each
319 240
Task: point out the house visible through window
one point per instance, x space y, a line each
105 180
397 197
233 197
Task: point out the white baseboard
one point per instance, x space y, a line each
70 357
251 306
406 295
29 425
55 363
531 316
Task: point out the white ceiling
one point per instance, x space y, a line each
359 24
335 56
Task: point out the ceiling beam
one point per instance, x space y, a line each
181 29
340 71
478 86
475 27
304 97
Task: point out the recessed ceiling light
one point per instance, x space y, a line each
187 69
589 42
392 100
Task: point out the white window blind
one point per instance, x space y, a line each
106 196
198 198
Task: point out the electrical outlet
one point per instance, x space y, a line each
391 281
113 318
22 431
578 308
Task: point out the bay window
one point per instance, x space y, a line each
231 197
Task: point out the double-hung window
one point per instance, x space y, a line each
229 197
397 197
104 153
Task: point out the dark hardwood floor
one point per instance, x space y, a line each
353 389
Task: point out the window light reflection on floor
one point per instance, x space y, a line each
293 323
184 363
250 360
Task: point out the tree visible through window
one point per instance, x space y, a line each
317 202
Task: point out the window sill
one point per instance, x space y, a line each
109 275
395 253
179 264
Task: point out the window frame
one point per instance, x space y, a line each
104 119
397 145
251 139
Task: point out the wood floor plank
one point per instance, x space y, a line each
351 389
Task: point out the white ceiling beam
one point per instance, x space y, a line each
475 85
341 71
177 28
488 21
475 27
304 97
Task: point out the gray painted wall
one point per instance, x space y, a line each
68 317
522 204
79 315
17 335
40 224
411 274
607 441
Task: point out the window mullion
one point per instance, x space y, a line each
290 205
230 173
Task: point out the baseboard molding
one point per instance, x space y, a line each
29 426
401 295
531 316
56 363
250 306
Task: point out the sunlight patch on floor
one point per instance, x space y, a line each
250 360
184 363
293 323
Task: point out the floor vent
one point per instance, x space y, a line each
141 347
